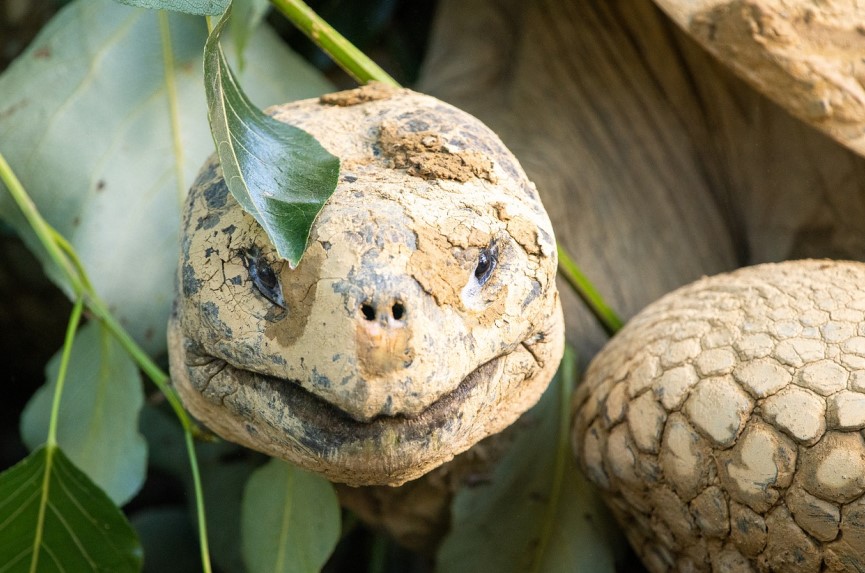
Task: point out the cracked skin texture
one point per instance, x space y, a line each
390 356
724 424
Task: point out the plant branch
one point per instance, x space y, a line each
609 320
344 53
44 232
199 503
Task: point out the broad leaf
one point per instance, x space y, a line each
81 529
537 513
98 419
278 173
197 7
290 521
85 124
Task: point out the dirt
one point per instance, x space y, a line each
427 155
372 91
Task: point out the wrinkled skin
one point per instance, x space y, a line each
422 318
724 423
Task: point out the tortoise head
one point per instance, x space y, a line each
422 318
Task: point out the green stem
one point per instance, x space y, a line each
344 53
69 251
159 378
44 232
199 503
51 442
74 319
585 289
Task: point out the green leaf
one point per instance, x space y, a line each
537 513
98 419
51 512
197 7
85 124
290 520
278 173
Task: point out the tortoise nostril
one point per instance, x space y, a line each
398 311
368 311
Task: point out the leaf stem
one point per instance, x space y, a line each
44 232
159 378
199 503
74 320
609 320
344 53
51 442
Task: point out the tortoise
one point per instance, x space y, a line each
425 317
714 240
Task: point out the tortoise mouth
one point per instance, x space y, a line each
326 428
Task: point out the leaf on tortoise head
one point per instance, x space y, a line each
280 174
197 7
537 513
85 124
98 419
81 529
290 521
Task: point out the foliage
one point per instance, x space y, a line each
290 520
98 418
278 173
51 508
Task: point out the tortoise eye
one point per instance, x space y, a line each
486 264
262 276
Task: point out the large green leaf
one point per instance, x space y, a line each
80 529
98 420
278 173
537 513
197 7
290 521
85 123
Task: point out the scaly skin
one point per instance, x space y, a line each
724 423
393 351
